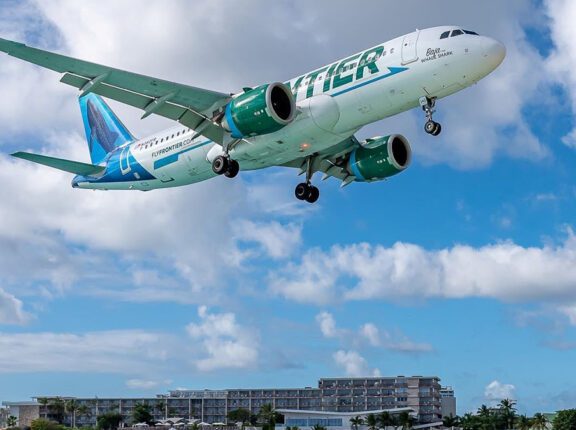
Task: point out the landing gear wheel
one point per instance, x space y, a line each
220 165
233 169
313 194
430 127
302 191
438 130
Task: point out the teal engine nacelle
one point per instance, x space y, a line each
259 111
379 158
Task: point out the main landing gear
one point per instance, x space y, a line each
224 165
428 106
306 191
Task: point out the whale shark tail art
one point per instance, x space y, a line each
104 130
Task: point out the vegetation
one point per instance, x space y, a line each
268 417
109 421
356 422
142 413
44 424
565 420
12 421
371 422
319 427
240 415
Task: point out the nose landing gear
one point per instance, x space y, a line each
429 107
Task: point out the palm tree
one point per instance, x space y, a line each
451 421
267 415
469 422
508 410
406 420
58 408
356 422
71 408
44 401
384 420
319 427
539 421
12 421
523 423
371 422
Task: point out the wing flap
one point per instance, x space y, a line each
189 105
168 109
69 166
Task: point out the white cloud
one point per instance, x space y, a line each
391 341
562 61
11 309
504 270
278 241
371 333
119 351
146 384
496 391
223 342
327 325
353 364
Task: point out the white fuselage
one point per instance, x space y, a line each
330 108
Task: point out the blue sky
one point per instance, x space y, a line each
463 267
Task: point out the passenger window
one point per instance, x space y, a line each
457 33
445 35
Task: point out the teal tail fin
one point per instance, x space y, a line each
104 130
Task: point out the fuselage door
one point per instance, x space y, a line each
410 48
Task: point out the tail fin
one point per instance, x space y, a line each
104 131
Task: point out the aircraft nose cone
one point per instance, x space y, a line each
494 53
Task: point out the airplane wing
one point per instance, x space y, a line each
331 162
194 107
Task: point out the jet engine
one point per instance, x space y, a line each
259 111
379 158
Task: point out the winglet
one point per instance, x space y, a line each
69 166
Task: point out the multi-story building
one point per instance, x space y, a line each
448 400
343 395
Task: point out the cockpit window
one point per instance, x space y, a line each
445 35
471 32
457 33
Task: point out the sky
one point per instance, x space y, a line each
462 267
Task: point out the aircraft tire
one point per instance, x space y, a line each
313 194
220 165
233 169
302 191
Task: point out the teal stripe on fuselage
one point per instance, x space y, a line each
173 158
393 71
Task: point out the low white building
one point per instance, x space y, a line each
306 420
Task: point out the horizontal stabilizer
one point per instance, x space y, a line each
75 167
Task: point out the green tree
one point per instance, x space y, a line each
384 420
44 402
44 424
109 421
267 416
565 420
451 421
523 423
508 411
319 427
239 415
470 422
142 413
161 409
371 421
406 420
12 421
539 421
356 422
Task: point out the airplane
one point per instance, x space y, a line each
307 123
